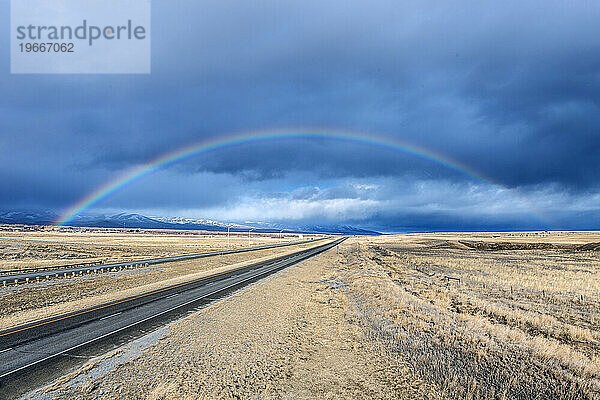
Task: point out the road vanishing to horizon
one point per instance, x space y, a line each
300 199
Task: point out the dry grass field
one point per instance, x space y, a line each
516 316
437 316
47 247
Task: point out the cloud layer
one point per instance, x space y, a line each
511 90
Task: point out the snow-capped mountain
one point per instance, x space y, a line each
180 220
132 220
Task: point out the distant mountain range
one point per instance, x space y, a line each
128 220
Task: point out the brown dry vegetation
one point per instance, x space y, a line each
403 317
484 324
38 248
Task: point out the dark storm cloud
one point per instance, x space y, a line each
510 89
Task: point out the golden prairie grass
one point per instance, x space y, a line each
507 324
42 248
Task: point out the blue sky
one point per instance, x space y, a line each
510 89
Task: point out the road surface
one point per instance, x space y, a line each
26 351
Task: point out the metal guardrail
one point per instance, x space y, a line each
35 329
46 273
48 268
30 348
56 274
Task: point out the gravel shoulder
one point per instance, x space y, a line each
289 336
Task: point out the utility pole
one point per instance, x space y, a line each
249 230
228 237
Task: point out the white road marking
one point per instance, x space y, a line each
120 329
124 328
109 316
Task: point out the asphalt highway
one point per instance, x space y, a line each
36 345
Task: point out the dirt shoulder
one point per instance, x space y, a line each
288 337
